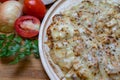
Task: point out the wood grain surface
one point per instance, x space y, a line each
28 69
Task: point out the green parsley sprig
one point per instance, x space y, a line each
19 48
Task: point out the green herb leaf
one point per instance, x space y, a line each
18 58
2 36
15 61
15 46
18 39
3 51
35 49
1 43
12 50
10 37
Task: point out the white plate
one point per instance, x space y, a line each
58 7
46 2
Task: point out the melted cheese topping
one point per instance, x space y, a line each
85 41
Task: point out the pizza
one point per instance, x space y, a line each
84 41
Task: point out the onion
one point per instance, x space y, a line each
9 12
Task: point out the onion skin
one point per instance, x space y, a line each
9 12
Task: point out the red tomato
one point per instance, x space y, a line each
3 0
27 26
35 8
6 0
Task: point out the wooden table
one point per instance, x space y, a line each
28 69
